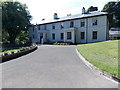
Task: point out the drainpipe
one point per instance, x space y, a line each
86 30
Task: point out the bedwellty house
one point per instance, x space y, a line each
86 27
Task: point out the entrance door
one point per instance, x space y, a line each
41 36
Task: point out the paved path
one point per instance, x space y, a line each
52 67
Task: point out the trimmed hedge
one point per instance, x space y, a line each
13 55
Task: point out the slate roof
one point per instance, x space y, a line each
71 17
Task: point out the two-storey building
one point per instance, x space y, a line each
86 27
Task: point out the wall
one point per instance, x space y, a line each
101 28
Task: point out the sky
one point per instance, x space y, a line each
40 9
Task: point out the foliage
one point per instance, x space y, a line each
22 37
15 18
92 9
113 9
5 37
103 55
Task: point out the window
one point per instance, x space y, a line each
44 27
62 26
39 27
72 24
82 24
68 35
62 36
94 34
94 21
53 36
33 36
82 35
53 26
30 39
33 28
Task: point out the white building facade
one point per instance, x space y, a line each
80 28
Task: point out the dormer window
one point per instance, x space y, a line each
94 21
71 24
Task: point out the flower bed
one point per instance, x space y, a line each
8 56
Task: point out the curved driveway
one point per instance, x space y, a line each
52 67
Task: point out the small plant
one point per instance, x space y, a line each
12 52
5 54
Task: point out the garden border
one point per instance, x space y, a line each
91 66
17 54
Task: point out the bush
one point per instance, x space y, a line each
61 43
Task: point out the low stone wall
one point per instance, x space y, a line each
13 55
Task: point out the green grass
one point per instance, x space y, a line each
103 55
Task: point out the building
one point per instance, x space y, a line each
80 28
114 34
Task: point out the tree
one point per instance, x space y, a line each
92 9
15 18
113 9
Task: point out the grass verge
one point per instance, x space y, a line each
103 55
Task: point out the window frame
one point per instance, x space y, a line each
53 36
61 36
53 26
94 35
69 35
82 24
82 35
94 21
62 26
71 24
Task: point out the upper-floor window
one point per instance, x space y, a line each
94 34
33 28
82 23
62 26
94 21
53 26
44 27
71 24
39 27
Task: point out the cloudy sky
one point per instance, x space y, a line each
40 9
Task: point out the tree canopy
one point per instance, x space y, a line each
113 9
92 9
15 18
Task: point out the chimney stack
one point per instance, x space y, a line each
83 10
55 16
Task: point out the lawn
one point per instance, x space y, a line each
103 55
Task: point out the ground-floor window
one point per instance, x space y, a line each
62 36
69 35
33 36
82 35
30 39
53 36
94 34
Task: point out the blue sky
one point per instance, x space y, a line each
40 9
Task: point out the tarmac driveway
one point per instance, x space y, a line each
52 67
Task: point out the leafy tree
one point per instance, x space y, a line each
113 9
15 18
92 9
